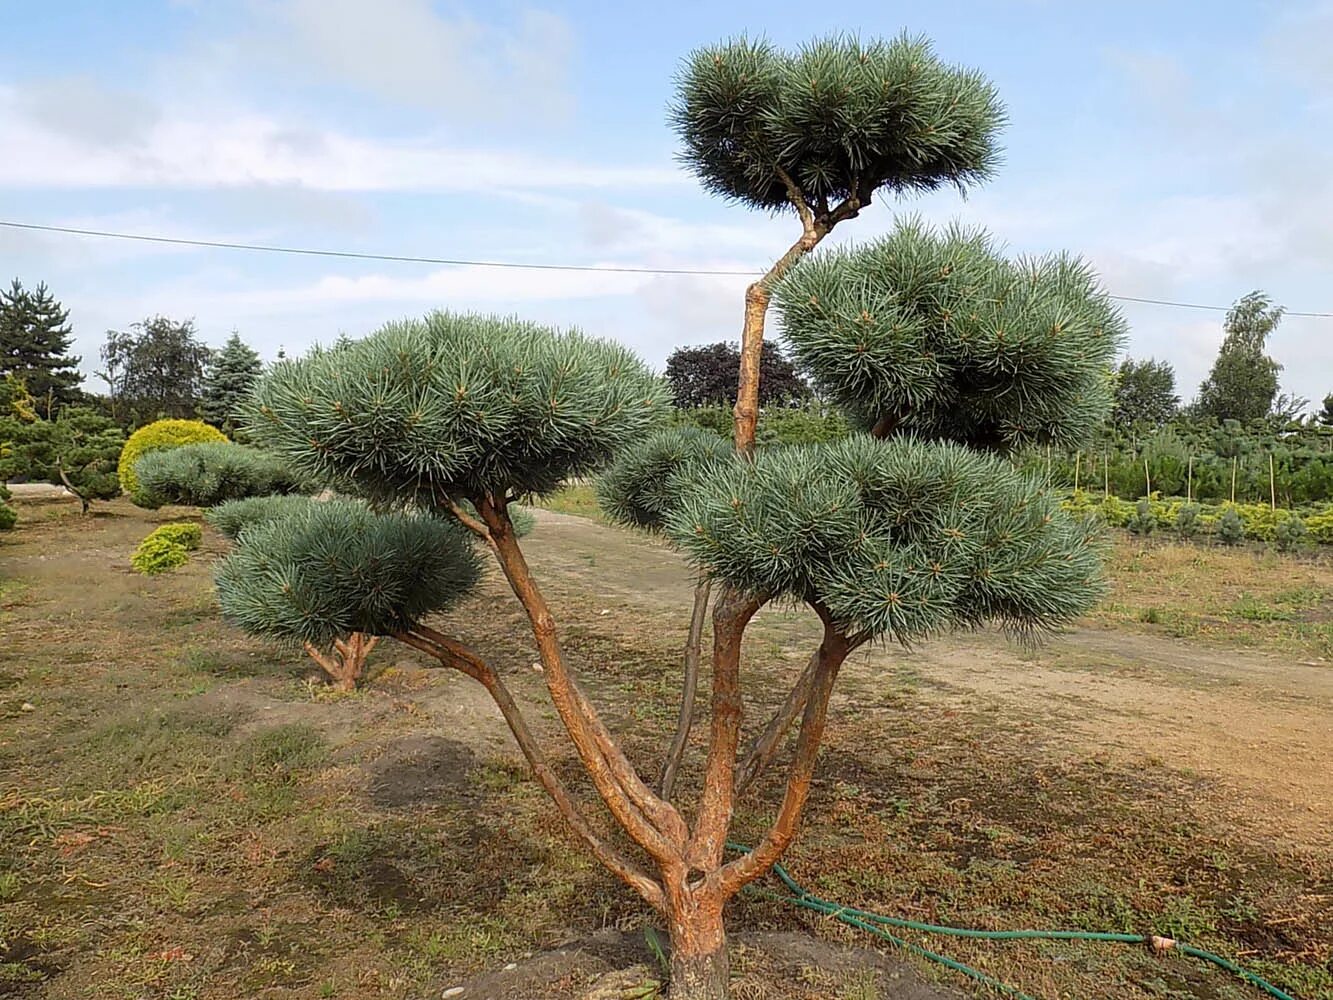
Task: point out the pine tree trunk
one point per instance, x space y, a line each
700 969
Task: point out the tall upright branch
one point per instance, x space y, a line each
689 687
733 876
814 227
731 614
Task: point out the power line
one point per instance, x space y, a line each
353 255
510 265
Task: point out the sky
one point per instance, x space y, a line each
1186 149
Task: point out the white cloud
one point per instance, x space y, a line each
200 148
81 109
407 52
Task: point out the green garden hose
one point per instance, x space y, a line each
876 924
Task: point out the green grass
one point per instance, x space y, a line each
580 501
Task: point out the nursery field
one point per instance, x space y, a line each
185 814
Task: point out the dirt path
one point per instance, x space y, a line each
1258 726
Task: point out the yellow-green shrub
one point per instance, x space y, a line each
1259 520
166 547
184 533
157 436
1320 526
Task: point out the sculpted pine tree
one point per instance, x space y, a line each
945 353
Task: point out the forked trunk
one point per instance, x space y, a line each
346 665
700 969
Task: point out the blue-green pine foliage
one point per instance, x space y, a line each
839 117
204 475
325 570
895 538
650 479
456 406
235 516
949 340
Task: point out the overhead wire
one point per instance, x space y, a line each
505 264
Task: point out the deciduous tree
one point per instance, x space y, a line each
1145 393
707 376
1243 382
154 370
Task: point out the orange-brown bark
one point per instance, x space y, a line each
731 614
653 823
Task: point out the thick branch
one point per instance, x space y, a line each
731 614
471 523
653 823
326 663
813 229
60 468
797 199
689 685
458 656
766 744
745 869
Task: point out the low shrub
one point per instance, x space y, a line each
1143 521
158 554
159 436
183 533
1319 526
1230 527
8 517
1187 521
204 475
1290 534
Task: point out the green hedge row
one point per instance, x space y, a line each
1261 521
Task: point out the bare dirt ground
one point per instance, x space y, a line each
184 815
1258 723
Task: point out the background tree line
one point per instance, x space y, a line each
52 430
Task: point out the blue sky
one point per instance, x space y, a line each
1186 149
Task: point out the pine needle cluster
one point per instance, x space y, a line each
939 333
649 479
322 571
204 475
451 406
839 116
234 516
896 538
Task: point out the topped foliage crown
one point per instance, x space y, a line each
456 406
839 118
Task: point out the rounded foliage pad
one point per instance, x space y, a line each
325 570
839 117
896 538
204 475
647 480
945 337
457 406
234 516
157 436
